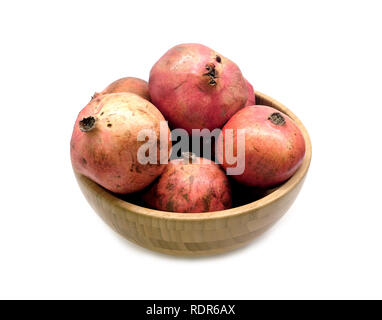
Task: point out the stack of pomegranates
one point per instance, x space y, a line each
195 89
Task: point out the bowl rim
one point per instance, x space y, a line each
280 191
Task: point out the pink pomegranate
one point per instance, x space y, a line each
196 87
104 144
251 101
128 84
190 184
274 146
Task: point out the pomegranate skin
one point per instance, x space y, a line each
190 188
251 101
274 146
127 84
196 87
107 152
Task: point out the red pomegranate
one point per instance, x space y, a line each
190 184
251 101
274 146
128 84
196 87
104 144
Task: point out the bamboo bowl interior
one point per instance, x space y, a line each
132 201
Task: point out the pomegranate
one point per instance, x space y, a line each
104 144
251 101
274 146
128 84
195 87
190 184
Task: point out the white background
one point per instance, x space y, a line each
322 59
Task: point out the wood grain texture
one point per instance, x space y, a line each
199 234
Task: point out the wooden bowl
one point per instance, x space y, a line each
199 234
